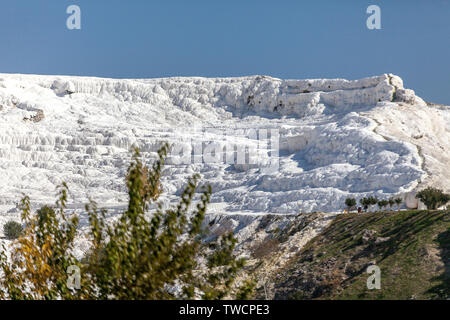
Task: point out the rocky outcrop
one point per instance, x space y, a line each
38 116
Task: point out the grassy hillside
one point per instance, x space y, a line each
411 248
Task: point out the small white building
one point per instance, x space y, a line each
411 202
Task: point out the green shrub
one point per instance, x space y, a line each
12 230
398 202
372 201
142 255
433 197
391 202
365 203
350 202
382 204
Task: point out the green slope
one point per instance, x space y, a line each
411 248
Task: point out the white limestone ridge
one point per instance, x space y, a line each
338 138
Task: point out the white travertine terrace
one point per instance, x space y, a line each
80 130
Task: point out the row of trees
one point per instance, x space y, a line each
369 202
433 198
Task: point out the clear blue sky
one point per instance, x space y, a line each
285 39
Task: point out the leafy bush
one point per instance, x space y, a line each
365 203
143 255
391 202
433 197
12 230
398 202
350 202
371 201
382 203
